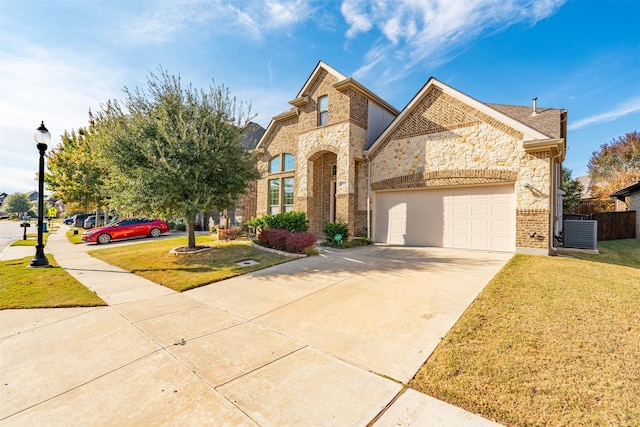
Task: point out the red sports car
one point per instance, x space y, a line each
125 229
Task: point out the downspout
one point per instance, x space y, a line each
366 156
554 191
554 179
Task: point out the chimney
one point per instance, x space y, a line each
535 110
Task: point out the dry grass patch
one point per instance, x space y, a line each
550 341
152 261
22 287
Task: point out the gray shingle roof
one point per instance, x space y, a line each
547 120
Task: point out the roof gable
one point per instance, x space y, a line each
449 109
343 84
315 73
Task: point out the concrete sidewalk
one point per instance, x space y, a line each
326 340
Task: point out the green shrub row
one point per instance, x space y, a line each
294 221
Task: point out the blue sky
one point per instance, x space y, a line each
59 58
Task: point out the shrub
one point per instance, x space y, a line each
294 221
255 222
278 238
181 226
263 236
331 229
228 233
298 242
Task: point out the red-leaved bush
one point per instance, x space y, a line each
298 242
278 238
263 236
228 233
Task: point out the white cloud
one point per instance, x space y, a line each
630 106
358 22
54 86
162 20
429 32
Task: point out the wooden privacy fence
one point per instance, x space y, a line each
611 225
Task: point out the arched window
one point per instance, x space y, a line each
288 162
274 165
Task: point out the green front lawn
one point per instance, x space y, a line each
619 252
549 341
152 261
23 287
74 238
32 240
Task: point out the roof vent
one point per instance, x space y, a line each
535 109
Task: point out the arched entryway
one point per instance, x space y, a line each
321 202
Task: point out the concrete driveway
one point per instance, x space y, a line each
326 340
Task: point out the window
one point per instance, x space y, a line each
287 194
274 165
334 170
323 110
283 163
281 189
288 163
274 196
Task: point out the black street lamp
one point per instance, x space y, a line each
42 137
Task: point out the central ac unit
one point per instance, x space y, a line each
580 234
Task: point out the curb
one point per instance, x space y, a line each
275 251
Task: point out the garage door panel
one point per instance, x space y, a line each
472 218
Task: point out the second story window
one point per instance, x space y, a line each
323 110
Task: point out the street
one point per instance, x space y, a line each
10 231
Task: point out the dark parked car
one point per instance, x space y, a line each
68 221
78 219
126 228
90 222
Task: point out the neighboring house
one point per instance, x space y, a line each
589 203
445 171
33 196
632 193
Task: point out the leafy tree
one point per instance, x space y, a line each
76 172
616 165
17 203
574 189
175 151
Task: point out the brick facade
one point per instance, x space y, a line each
532 228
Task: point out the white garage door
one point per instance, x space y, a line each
470 218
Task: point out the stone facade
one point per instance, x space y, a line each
442 140
443 143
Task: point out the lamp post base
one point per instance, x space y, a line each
40 260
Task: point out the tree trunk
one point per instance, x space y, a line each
191 229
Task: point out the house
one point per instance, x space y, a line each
589 202
632 193
447 170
